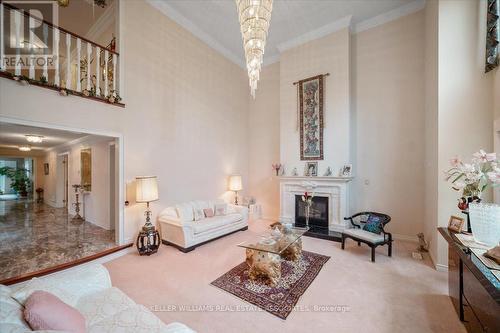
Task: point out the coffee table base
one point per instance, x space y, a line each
267 266
264 265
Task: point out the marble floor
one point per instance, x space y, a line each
36 236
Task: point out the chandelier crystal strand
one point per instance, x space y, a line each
254 16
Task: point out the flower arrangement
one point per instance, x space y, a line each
276 167
473 178
307 198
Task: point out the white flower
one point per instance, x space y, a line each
459 184
482 156
455 161
494 177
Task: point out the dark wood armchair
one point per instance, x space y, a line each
357 233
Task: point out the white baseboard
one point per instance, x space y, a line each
438 267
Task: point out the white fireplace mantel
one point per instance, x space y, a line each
336 189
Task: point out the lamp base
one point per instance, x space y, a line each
148 242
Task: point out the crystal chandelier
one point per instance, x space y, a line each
255 16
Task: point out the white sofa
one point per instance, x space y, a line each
179 229
88 289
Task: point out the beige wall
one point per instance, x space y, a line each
330 54
185 119
264 142
432 174
465 96
389 108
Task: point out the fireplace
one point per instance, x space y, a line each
318 213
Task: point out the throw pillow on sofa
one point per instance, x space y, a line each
45 311
198 213
209 212
373 224
220 209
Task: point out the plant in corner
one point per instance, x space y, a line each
472 179
19 179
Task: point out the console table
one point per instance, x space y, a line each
473 289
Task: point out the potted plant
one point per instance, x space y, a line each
472 179
19 179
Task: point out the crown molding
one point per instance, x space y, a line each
392 15
177 17
325 30
103 22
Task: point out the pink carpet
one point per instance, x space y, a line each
350 294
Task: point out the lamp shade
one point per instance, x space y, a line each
235 183
146 189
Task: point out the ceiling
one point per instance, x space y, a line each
13 136
216 21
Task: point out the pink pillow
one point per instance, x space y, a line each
209 212
44 311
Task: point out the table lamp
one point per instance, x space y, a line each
148 239
235 185
147 191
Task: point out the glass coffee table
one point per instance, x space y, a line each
264 252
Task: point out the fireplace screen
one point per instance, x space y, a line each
318 214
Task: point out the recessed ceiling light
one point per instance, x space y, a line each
34 138
25 148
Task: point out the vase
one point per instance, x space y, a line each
307 216
485 223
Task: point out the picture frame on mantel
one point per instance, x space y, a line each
311 118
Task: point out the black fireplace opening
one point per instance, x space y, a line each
318 218
318 213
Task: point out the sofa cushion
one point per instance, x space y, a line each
215 222
185 212
220 209
365 235
69 285
44 311
99 306
134 319
209 212
11 313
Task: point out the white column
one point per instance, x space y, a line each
114 72
56 54
31 73
68 61
89 54
106 56
97 71
46 42
78 64
17 23
2 51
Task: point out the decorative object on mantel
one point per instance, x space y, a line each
346 170
295 173
148 240
310 100
472 179
311 169
492 35
276 167
308 201
282 173
235 185
254 17
455 224
328 172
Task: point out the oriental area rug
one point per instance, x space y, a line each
280 300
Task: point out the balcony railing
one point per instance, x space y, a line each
56 58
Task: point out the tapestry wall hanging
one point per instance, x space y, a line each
311 118
492 35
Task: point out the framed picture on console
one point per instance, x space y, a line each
455 224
